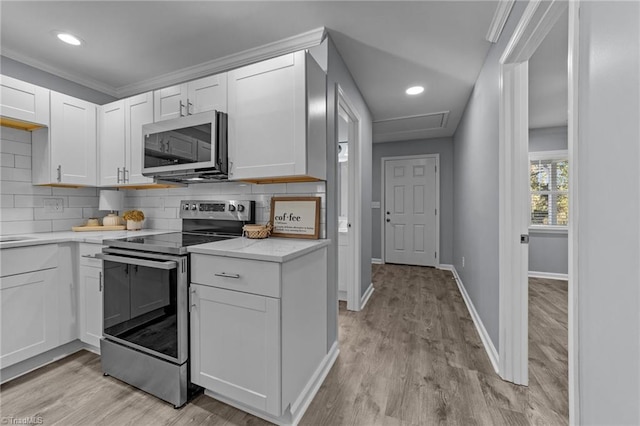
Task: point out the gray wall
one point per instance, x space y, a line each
475 186
548 251
442 146
608 180
15 69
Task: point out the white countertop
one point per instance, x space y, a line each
96 237
269 249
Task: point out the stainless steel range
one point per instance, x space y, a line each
145 299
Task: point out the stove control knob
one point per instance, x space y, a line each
194 207
232 208
240 208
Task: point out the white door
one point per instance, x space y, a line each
91 305
170 102
410 215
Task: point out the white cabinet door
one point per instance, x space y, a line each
73 140
29 313
235 346
111 143
139 112
90 305
207 94
267 118
23 101
169 102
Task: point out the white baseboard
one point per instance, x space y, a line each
491 350
366 296
376 261
445 267
342 295
28 365
299 407
549 275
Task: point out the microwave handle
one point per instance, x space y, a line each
168 265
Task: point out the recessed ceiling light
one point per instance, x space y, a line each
69 38
415 90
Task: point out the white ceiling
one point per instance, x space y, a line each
387 45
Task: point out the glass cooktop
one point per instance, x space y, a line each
174 242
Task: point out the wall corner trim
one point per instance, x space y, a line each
491 350
366 296
499 20
549 275
376 261
445 267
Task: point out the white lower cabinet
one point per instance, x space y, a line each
235 350
28 303
90 294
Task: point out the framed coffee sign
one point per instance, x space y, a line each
295 217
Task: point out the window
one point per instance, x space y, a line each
549 179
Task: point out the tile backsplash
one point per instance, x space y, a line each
22 208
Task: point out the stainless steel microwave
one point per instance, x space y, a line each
186 147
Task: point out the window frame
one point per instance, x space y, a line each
560 154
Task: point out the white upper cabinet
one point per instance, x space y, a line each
65 154
120 140
205 94
139 111
23 101
277 120
111 141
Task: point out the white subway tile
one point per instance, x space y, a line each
16 175
12 215
305 187
7 201
11 147
78 192
35 200
23 188
24 227
23 162
67 213
10 134
66 224
7 160
88 212
272 188
83 201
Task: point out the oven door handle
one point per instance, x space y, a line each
139 262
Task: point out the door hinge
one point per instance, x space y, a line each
436 212
524 239
435 254
436 169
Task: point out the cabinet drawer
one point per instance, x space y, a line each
87 254
27 259
249 276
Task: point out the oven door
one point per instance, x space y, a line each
145 302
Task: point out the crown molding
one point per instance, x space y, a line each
499 20
226 63
73 77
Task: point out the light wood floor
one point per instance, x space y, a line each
412 357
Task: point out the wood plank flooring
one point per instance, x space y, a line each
412 357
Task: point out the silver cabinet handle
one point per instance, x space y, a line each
182 106
118 179
227 275
100 282
139 262
88 256
59 173
125 175
189 107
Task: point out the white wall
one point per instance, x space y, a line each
608 189
22 206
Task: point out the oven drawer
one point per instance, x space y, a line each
249 276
